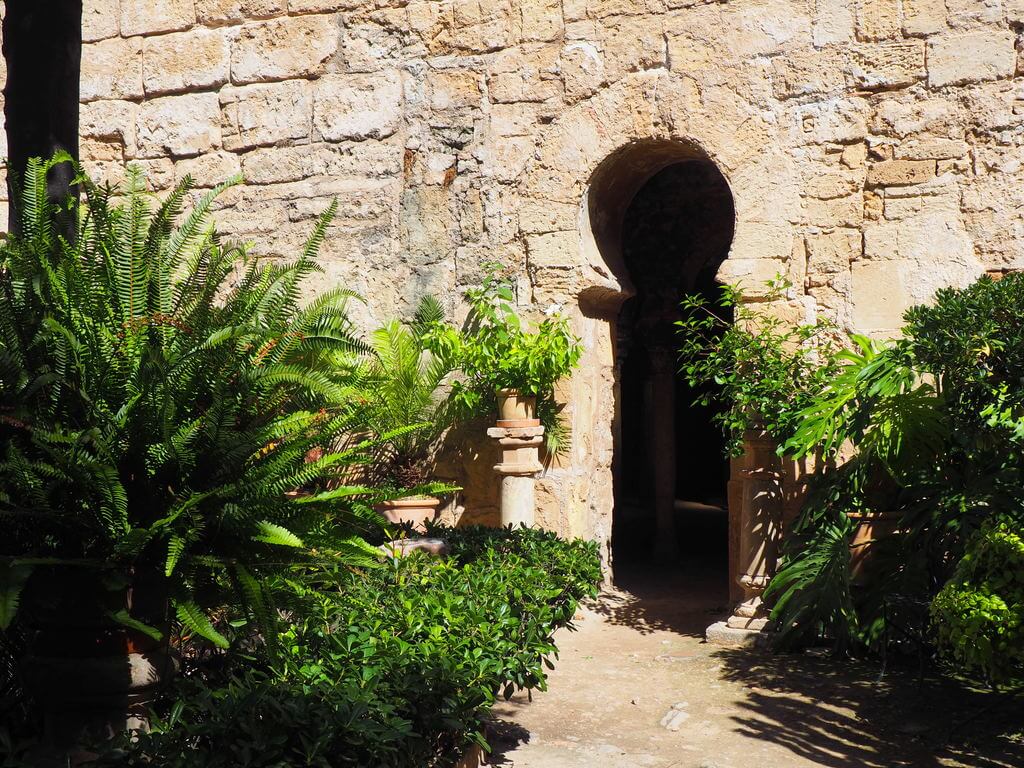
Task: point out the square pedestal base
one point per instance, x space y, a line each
724 636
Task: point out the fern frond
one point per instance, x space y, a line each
194 619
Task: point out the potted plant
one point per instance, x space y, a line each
508 364
160 392
407 399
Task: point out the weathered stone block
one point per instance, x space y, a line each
752 275
831 182
455 89
936 116
833 22
110 121
971 58
542 20
184 61
553 249
357 106
807 72
530 78
967 13
262 114
900 172
208 170
100 150
100 20
506 160
837 120
217 12
832 252
146 17
1014 10
369 48
582 70
887 65
933 236
512 119
180 126
758 241
158 172
295 46
878 19
923 17
112 69
879 298
746 31
836 212
633 43
932 148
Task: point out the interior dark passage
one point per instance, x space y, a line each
676 232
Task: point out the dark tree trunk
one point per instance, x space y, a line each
43 47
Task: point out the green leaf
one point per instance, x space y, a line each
272 533
193 617
123 618
175 547
12 582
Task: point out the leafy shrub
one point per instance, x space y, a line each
397 666
973 338
979 614
936 424
160 393
760 369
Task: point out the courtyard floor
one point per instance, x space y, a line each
639 652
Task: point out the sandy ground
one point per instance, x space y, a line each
639 651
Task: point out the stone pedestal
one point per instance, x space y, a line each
519 466
760 529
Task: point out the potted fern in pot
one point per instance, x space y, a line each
409 411
160 392
508 365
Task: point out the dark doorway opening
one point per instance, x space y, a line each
671 474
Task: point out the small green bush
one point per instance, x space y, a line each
394 667
979 615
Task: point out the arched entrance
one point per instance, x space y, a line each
663 218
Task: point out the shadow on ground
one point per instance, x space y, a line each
683 601
683 595
504 736
837 713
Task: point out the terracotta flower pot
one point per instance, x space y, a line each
87 673
871 527
516 409
414 510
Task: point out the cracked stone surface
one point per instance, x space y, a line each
639 656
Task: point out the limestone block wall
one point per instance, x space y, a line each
873 148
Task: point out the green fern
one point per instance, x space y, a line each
408 388
194 619
278 535
13 577
161 393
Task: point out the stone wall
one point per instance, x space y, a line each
873 147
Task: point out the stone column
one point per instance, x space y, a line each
519 467
662 422
760 529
